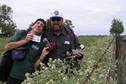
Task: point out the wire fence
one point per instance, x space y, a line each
96 65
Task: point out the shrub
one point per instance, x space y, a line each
56 72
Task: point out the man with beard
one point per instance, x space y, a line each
63 37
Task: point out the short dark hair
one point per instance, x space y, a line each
42 20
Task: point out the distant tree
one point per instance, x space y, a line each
116 27
29 29
69 24
6 23
48 25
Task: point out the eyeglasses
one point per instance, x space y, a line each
56 19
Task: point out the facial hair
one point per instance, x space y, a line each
56 29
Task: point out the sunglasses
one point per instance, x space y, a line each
56 19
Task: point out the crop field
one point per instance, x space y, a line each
95 46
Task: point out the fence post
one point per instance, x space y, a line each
121 60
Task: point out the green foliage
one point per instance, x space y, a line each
54 74
6 23
92 54
48 24
57 75
116 27
69 24
94 47
29 29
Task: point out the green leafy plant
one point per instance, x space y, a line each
56 72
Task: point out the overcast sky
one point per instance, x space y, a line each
90 17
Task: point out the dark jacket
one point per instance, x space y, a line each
66 41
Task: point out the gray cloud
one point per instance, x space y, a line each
88 16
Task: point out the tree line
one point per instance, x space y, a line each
8 26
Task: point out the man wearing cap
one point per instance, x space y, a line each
33 55
63 37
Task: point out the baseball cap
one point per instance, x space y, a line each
56 13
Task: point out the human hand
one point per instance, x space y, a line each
80 53
45 51
28 37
